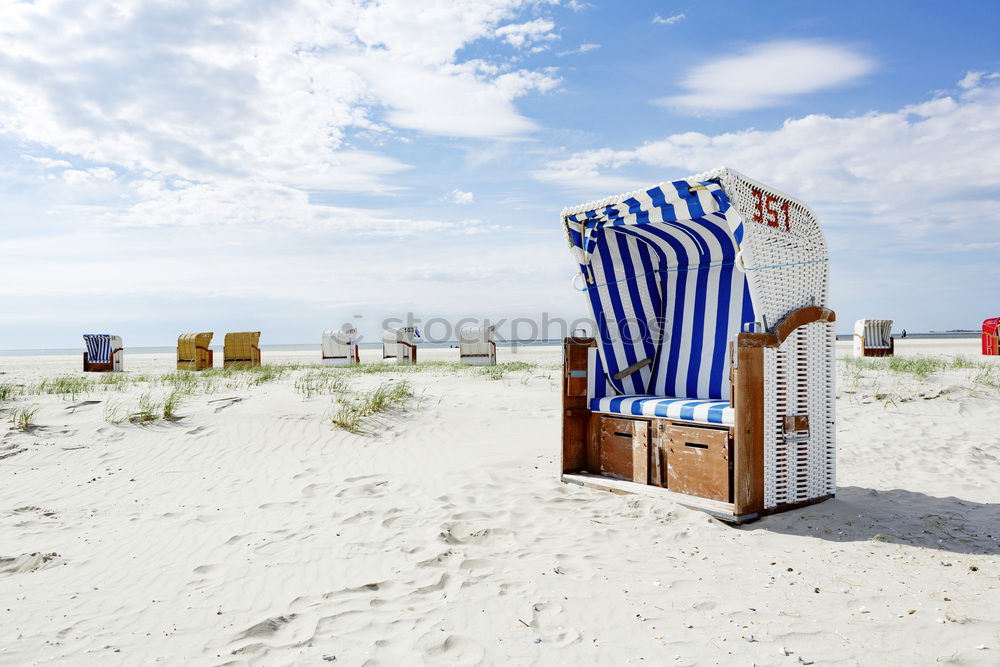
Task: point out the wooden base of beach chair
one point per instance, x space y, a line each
483 359
880 351
714 468
343 360
99 366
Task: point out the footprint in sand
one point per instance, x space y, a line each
29 562
82 404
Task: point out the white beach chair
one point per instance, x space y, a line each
476 346
873 338
400 344
340 347
710 379
105 352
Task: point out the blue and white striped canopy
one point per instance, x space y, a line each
98 347
666 294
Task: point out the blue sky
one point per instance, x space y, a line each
181 166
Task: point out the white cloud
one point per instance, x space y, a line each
583 48
47 162
268 207
273 91
520 35
973 79
459 197
669 20
928 172
767 75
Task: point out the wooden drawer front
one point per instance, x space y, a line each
623 446
697 461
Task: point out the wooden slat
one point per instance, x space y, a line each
576 454
574 438
748 434
719 509
640 452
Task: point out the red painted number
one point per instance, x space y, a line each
766 209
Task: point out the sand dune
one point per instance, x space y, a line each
251 530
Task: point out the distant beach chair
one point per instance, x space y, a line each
340 347
400 344
991 336
873 338
104 353
476 346
710 380
241 349
193 352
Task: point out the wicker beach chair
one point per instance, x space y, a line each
991 336
104 353
710 379
476 346
241 349
400 344
193 352
873 338
340 347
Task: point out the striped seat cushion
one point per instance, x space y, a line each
683 409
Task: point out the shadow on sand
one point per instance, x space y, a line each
898 516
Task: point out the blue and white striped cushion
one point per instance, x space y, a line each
681 409
98 347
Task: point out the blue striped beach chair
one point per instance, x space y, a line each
710 376
104 353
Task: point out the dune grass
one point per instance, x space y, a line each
499 371
72 385
321 382
354 410
23 418
170 403
920 367
8 390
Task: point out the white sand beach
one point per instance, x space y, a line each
251 530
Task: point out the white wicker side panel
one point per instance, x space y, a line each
798 381
775 452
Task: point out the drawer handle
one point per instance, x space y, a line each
697 445
623 435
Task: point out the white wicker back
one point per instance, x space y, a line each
783 249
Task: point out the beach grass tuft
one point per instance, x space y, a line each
72 385
352 412
320 382
8 390
146 410
498 371
23 418
171 401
